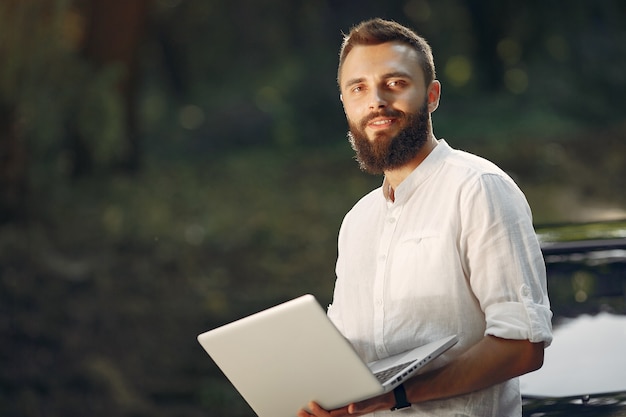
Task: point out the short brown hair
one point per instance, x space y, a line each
377 31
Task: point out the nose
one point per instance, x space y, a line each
377 99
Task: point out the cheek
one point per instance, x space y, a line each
352 114
406 104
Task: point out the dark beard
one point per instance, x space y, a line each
386 153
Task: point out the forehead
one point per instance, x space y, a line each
365 61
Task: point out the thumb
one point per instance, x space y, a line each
361 407
353 408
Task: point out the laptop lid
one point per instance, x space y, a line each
283 357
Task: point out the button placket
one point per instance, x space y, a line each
389 228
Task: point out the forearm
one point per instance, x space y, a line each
489 362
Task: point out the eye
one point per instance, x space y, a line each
396 84
356 89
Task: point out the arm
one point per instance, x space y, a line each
491 361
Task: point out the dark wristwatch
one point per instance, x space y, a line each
400 395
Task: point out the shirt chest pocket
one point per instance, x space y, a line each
417 261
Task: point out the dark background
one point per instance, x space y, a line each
167 166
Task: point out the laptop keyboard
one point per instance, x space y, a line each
385 374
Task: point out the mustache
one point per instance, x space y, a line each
381 113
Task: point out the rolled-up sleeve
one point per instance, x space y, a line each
520 320
507 272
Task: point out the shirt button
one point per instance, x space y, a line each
391 220
379 302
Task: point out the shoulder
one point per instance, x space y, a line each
467 169
478 179
472 164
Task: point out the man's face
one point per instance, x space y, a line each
386 104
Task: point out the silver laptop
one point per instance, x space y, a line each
290 354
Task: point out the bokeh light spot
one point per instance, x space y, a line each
458 70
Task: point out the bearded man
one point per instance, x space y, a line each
445 246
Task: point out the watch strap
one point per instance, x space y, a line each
399 394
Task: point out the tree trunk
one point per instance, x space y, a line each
13 167
114 35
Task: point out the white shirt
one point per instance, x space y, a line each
454 253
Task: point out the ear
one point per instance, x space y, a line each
434 94
342 104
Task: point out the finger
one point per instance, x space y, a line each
363 407
340 412
317 410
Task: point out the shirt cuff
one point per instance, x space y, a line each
520 321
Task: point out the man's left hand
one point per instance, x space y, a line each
383 402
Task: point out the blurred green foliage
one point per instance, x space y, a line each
108 290
219 74
52 90
107 277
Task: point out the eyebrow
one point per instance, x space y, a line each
395 74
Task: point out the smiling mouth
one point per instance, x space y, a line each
381 123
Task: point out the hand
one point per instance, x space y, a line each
317 411
383 402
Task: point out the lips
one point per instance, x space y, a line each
381 122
